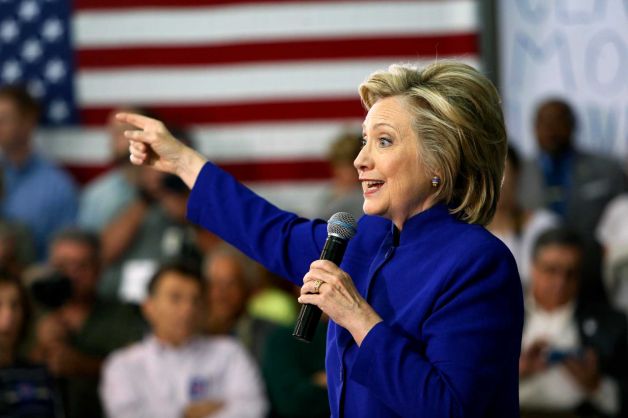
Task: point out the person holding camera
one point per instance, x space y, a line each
573 360
79 328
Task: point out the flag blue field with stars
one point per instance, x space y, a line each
36 52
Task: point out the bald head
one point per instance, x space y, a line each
229 287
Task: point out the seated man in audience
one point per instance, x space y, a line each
573 358
73 339
230 277
176 372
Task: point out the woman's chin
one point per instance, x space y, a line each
370 209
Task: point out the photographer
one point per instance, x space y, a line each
151 227
78 332
573 359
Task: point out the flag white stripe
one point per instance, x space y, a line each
237 83
245 143
206 25
270 141
299 197
74 145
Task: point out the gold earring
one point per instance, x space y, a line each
435 181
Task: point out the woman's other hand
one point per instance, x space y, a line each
337 296
153 145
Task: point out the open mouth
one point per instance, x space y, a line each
373 185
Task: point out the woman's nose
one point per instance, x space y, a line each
363 161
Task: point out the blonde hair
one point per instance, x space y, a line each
459 122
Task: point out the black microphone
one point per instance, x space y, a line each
341 227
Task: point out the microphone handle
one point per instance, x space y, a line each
309 315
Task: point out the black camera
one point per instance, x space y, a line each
52 290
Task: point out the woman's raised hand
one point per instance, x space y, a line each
152 144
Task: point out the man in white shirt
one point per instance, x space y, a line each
574 355
176 372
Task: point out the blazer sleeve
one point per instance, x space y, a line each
281 241
469 347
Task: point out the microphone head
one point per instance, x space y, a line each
342 225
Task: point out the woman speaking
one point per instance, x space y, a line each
426 308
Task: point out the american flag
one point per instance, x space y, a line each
263 86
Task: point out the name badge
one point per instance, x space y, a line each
199 388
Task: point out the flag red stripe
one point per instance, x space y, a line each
311 50
262 171
84 173
288 170
217 113
176 4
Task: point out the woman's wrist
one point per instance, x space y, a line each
189 165
363 325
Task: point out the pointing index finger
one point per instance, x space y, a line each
139 121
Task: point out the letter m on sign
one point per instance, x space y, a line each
527 53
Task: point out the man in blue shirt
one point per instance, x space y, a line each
36 193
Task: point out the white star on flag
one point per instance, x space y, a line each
9 31
31 50
28 10
58 110
55 70
52 30
11 71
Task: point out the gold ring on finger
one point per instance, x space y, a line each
317 285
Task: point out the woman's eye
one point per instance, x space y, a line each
363 142
384 142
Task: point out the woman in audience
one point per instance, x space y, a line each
26 390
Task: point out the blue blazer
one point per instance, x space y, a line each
448 292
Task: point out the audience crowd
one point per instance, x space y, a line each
111 304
